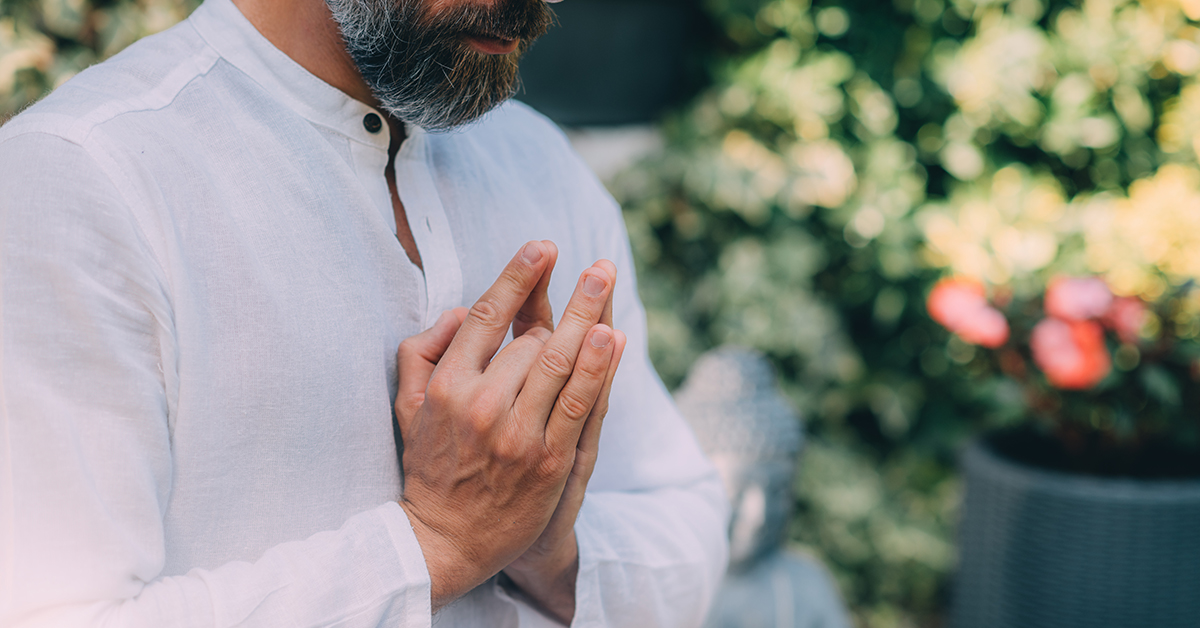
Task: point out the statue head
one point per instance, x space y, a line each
753 437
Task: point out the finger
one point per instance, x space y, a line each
416 360
556 362
537 311
606 316
511 366
488 320
578 397
587 450
589 438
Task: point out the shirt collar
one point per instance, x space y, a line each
224 27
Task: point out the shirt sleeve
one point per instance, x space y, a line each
85 445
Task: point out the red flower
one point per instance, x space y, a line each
1126 316
960 306
951 299
1078 298
1071 354
987 328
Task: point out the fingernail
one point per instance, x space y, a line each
531 253
600 339
593 286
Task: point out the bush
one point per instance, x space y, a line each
851 154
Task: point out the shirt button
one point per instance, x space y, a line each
372 123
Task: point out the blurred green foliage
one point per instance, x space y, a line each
45 42
780 217
850 153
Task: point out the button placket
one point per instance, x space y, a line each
370 160
430 227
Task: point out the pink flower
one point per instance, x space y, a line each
1078 298
1071 354
987 328
1126 316
953 299
960 306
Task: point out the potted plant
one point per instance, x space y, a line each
1087 512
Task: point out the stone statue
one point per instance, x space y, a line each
754 437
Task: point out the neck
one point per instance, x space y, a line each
305 31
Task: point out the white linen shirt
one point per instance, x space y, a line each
201 297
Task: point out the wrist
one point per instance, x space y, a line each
451 571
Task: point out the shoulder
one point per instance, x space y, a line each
528 150
146 76
515 139
65 162
516 124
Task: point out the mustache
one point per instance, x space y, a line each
504 19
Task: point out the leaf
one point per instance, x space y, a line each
1160 385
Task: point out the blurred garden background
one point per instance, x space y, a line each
838 159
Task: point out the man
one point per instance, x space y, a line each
211 249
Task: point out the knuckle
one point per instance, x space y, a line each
600 409
584 464
547 470
439 390
509 451
408 405
579 318
555 467
593 370
527 317
482 410
487 312
407 348
477 422
555 363
574 405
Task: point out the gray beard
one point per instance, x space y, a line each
420 68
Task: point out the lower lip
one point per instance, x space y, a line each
492 45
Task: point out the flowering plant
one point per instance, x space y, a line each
1112 378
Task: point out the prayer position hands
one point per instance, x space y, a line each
498 447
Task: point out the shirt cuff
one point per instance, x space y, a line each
528 616
415 600
588 609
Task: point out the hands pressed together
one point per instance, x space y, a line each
499 447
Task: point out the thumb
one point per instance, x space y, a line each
416 360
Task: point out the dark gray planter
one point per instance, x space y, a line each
1042 549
